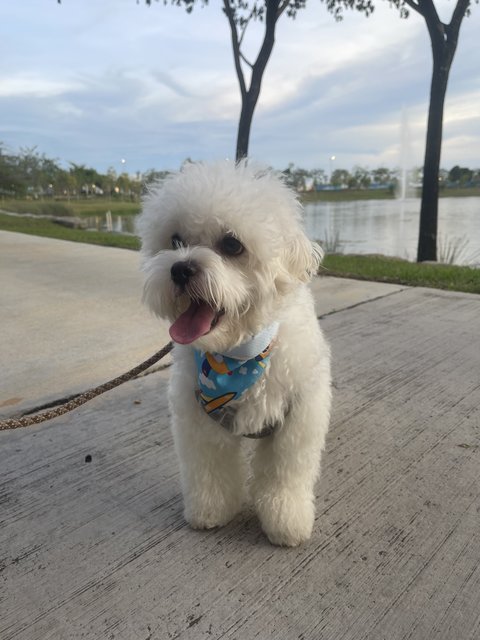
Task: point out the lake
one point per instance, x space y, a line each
378 226
391 226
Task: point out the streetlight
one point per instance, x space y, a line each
332 158
122 170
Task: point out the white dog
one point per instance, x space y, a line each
226 262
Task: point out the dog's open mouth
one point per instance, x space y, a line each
198 320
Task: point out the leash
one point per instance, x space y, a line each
82 398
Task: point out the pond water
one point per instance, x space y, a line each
119 224
391 226
375 226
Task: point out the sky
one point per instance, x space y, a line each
114 83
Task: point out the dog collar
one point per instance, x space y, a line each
225 377
255 345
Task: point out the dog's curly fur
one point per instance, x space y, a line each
266 282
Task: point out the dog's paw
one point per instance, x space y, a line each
208 512
287 517
207 518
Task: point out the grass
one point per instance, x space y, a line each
48 229
346 195
81 208
460 192
397 271
377 268
377 194
456 251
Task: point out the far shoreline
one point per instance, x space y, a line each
348 195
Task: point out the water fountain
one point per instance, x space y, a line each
403 190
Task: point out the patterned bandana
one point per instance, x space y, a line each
223 378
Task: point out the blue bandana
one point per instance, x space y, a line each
222 379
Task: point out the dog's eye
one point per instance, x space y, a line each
231 246
177 242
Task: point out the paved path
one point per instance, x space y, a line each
72 318
100 550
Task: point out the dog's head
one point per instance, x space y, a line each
222 245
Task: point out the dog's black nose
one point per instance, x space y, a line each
181 272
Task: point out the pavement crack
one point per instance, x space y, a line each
362 302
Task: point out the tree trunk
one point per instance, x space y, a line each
250 95
427 241
444 40
249 102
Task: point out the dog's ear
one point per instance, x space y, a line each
300 262
304 258
317 258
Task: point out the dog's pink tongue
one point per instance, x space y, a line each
196 321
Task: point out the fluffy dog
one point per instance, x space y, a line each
226 261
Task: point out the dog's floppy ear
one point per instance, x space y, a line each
300 262
317 256
304 257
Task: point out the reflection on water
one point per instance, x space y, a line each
391 226
119 224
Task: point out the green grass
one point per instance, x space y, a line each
378 268
81 208
460 192
48 229
397 271
346 195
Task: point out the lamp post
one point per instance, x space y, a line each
122 170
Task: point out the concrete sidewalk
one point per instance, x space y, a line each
72 317
93 544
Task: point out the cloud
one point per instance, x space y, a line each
68 109
206 382
94 82
28 85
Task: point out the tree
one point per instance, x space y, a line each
297 178
460 175
240 13
360 178
444 40
37 172
382 175
86 179
340 178
11 182
269 11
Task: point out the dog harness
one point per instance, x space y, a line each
223 378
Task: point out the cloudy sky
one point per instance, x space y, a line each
95 81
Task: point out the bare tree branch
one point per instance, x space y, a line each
235 46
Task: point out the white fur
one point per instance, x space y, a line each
266 283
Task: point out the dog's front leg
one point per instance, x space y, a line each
211 471
286 466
